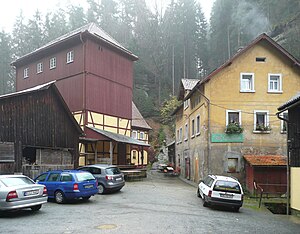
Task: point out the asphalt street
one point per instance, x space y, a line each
157 204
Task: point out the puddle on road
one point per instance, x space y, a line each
107 226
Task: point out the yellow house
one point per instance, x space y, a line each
293 123
139 131
232 112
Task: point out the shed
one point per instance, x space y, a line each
37 131
268 171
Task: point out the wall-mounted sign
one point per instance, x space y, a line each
227 138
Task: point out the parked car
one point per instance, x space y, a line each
19 192
65 185
221 191
110 178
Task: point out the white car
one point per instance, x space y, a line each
221 191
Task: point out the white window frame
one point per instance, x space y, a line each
234 111
134 134
186 132
266 112
142 135
193 128
279 90
197 125
70 56
282 122
252 90
186 104
39 68
52 63
26 73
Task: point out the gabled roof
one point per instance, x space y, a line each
186 86
137 119
91 29
262 37
293 101
266 160
189 84
45 87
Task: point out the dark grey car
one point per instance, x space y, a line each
109 177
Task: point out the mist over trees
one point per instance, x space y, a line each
172 44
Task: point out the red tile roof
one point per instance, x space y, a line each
266 160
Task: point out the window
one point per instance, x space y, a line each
186 132
142 135
284 123
193 128
70 56
198 125
260 59
247 82
274 83
53 177
134 154
66 177
186 104
26 72
180 134
39 68
134 134
233 116
195 102
52 63
178 139
261 121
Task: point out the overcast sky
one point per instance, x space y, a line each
10 9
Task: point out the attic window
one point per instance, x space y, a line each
261 59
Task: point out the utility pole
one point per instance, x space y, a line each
173 70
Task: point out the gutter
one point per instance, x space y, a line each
287 164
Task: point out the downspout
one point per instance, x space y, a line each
287 166
208 129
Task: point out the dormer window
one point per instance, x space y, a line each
70 56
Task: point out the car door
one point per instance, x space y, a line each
51 183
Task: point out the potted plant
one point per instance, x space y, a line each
263 128
233 128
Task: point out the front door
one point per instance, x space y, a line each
121 154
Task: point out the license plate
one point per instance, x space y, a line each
30 193
118 178
226 195
89 186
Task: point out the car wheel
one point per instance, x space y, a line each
36 208
236 209
59 197
198 193
86 198
101 189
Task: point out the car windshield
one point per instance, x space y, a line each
84 176
112 171
227 186
15 181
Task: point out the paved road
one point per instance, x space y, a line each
154 205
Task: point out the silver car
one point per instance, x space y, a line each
110 178
19 192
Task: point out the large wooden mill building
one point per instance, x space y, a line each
94 74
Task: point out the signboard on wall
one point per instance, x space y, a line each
7 152
227 138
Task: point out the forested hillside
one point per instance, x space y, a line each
172 44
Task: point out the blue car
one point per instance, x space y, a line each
65 185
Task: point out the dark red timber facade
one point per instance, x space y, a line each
94 74
37 132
